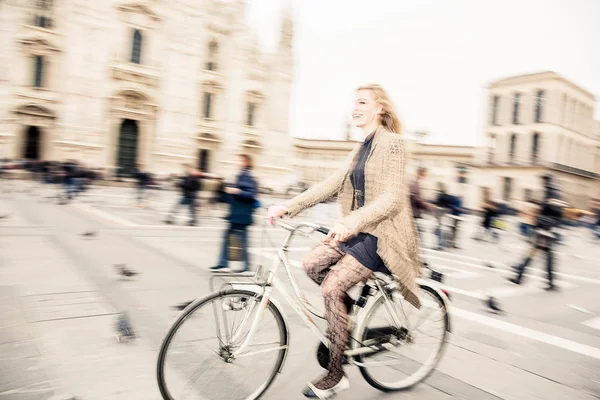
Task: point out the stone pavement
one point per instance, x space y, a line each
59 294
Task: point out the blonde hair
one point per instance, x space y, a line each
388 117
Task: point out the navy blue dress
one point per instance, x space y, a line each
363 246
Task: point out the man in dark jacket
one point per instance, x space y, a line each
189 186
550 217
69 172
142 179
242 201
447 205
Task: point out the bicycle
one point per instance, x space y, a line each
263 332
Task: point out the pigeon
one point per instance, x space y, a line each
89 234
122 270
124 329
182 306
493 305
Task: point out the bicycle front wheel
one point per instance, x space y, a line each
198 360
409 352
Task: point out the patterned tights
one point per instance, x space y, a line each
336 273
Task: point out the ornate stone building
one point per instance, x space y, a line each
115 83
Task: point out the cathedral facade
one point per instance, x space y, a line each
119 83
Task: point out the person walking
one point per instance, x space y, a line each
418 204
490 213
445 205
241 197
550 216
69 173
456 212
375 234
190 186
142 179
527 216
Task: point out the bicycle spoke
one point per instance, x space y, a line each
245 319
187 387
194 364
218 324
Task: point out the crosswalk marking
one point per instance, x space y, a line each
501 268
592 323
542 337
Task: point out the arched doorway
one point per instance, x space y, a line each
128 147
31 148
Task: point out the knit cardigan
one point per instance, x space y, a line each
386 214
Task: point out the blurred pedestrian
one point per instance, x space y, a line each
596 211
490 212
242 200
455 215
190 185
445 203
550 216
418 204
69 171
142 179
527 215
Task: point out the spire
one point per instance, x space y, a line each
287 25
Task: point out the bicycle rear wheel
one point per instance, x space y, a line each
196 357
408 353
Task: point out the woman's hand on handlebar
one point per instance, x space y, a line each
340 233
275 212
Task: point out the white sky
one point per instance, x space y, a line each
435 57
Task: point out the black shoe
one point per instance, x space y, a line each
349 303
514 280
219 268
551 288
493 305
192 223
168 221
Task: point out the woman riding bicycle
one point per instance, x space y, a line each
375 234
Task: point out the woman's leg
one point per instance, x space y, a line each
316 263
347 273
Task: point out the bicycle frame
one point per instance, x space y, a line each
300 304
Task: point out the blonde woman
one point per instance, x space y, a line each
376 232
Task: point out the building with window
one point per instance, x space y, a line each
116 83
540 123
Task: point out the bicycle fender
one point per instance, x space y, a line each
438 291
259 290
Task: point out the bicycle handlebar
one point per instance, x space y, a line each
295 227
